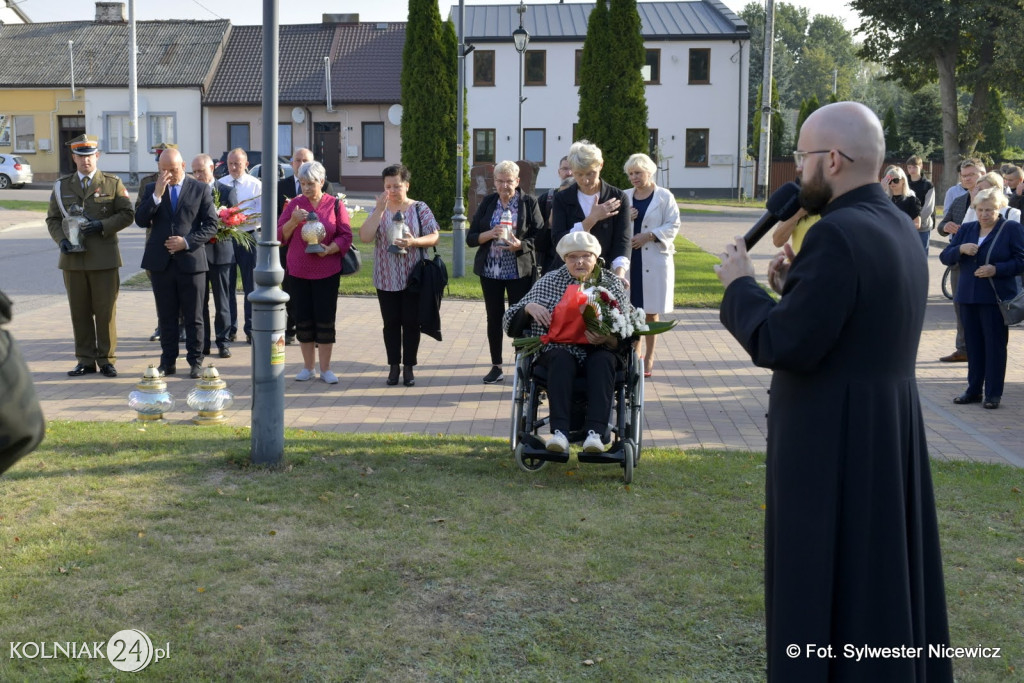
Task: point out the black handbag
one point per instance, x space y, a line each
1011 309
352 261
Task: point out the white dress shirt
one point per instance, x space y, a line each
248 193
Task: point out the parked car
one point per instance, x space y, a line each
14 171
283 170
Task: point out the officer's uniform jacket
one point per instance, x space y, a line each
107 201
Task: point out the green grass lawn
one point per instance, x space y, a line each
696 283
413 558
23 205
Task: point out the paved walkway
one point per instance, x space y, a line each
705 393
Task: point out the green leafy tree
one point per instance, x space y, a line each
993 138
613 103
429 87
920 123
956 43
807 107
809 55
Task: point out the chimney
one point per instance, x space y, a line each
340 18
111 13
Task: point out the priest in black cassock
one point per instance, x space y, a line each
852 553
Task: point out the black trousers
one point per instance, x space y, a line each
494 305
401 314
286 285
218 286
245 263
986 335
177 291
315 304
599 369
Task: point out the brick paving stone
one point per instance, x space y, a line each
705 394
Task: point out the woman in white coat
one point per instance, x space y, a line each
652 273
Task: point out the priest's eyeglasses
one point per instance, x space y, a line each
799 157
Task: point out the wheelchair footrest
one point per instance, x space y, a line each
612 456
535 448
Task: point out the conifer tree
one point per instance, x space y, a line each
429 116
613 103
893 147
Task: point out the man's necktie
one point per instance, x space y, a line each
174 198
85 184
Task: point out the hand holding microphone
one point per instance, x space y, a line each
782 205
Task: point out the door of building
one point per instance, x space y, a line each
327 147
70 128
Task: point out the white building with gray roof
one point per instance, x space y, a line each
696 75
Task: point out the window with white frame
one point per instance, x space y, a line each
116 133
25 134
284 140
533 145
373 140
162 129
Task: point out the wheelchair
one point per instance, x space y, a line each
626 418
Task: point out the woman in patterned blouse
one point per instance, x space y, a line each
399 307
505 265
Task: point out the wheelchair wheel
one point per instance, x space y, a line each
518 401
947 286
636 417
526 463
628 452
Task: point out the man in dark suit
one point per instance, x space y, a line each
157 150
220 256
851 536
287 188
91 277
181 216
607 214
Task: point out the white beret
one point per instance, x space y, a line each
581 240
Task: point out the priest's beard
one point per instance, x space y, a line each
815 193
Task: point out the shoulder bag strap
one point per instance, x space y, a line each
992 245
60 201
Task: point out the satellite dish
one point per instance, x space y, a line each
395 114
298 116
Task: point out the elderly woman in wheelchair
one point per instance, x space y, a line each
601 359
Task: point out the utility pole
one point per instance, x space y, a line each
268 299
459 219
764 151
133 100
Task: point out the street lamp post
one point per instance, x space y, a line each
521 37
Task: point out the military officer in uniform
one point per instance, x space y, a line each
91 277
146 180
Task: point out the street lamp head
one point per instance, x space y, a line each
522 38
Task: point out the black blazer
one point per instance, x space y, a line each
528 222
613 233
195 220
222 252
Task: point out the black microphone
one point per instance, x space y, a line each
782 206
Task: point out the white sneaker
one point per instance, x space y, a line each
304 375
328 376
593 444
558 443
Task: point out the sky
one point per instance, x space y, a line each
242 12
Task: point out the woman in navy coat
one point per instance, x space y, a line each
990 252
